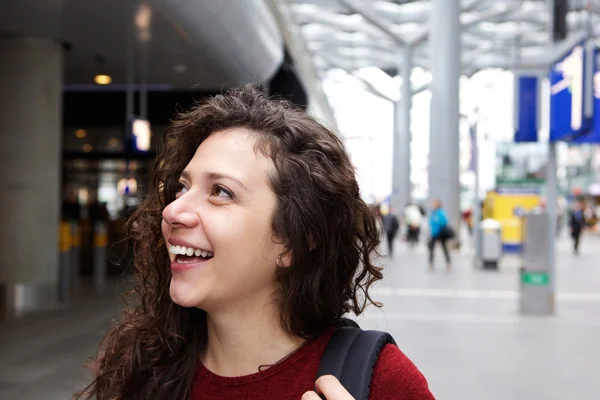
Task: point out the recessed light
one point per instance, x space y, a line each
102 79
80 133
180 68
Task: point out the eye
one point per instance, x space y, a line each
220 191
181 190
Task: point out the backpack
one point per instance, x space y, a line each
351 355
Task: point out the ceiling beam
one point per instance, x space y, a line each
472 5
420 89
333 20
368 86
373 20
423 34
371 89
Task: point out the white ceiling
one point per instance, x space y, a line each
353 34
206 44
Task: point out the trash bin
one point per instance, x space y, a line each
491 243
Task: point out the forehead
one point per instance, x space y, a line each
232 151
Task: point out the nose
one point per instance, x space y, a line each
180 214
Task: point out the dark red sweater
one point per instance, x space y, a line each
395 377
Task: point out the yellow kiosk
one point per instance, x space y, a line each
507 206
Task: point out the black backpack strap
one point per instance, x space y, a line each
351 355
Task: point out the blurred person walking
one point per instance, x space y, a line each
413 218
440 231
577 223
391 226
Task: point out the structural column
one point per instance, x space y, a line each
551 171
402 136
445 54
30 144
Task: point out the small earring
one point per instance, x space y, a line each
279 261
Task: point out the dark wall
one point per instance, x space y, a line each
109 108
286 83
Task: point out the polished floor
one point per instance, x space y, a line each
461 327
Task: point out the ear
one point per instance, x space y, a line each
284 259
284 254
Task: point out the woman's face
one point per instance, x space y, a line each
222 216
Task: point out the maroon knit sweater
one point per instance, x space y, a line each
395 377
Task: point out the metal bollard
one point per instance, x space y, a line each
100 244
75 256
65 262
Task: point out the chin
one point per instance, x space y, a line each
183 294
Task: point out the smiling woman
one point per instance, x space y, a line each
251 246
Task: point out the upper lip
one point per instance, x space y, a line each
179 242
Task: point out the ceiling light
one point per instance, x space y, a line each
180 68
102 79
80 133
87 148
143 17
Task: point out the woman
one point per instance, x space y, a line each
440 232
251 245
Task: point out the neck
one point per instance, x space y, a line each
241 340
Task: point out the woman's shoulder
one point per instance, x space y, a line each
396 377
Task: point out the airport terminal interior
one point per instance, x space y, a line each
489 108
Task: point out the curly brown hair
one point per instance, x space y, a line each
330 232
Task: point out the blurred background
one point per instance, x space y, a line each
493 107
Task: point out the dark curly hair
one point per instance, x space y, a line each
330 232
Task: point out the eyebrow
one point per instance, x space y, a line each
214 176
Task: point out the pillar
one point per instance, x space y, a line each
402 136
445 53
30 150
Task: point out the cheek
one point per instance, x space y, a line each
166 229
247 236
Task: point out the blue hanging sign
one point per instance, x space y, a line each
594 135
571 94
527 101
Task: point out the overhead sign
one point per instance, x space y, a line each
527 107
594 135
571 94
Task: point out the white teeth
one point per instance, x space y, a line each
189 251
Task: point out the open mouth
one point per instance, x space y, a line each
190 260
189 255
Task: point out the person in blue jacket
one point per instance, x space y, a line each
438 228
